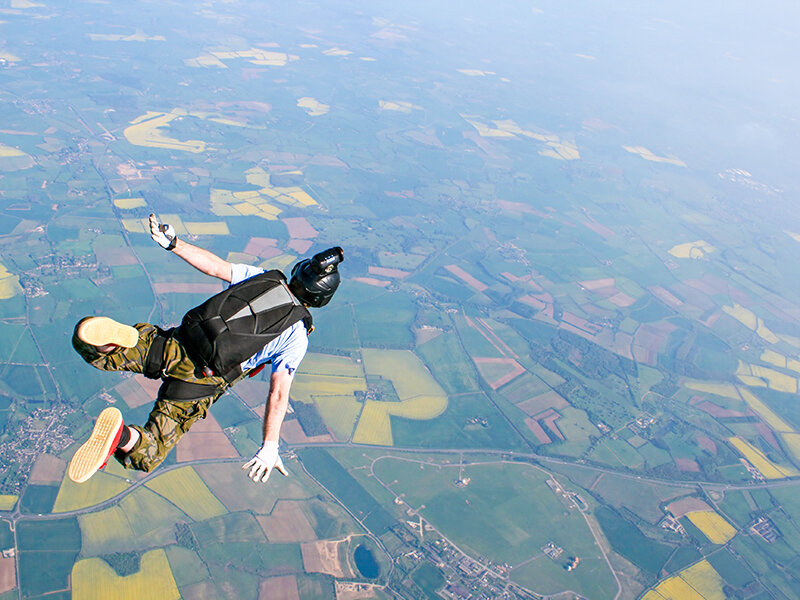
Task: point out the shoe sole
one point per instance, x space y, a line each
99 331
92 455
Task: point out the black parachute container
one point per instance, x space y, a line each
234 324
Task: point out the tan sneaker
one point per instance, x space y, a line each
93 455
101 331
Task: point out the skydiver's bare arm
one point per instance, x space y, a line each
277 404
203 260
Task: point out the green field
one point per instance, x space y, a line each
38 498
641 498
506 513
385 322
324 468
449 364
627 540
47 551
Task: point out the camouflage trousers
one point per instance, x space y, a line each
169 419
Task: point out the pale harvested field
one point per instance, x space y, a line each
687 505
299 227
299 245
279 588
373 282
542 402
115 257
514 369
199 446
8 574
199 591
48 469
537 430
323 557
252 391
351 590
287 523
687 465
467 278
388 272
263 247
138 390
205 440
292 433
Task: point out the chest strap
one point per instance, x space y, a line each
154 362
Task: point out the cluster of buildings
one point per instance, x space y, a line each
466 578
765 529
43 431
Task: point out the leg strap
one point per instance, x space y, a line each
176 389
154 363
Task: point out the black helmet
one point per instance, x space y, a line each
314 280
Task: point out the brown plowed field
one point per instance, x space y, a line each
48 469
8 574
286 524
279 588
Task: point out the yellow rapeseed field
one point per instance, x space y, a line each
306 387
8 151
129 203
756 458
330 364
259 203
9 284
374 426
398 105
339 413
94 579
775 380
213 228
101 487
698 582
555 147
148 130
313 107
421 396
420 408
749 319
725 390
792 441
105 530
713 526
184 488
779 360
7 501
649 155
765 412
705 579
696 249
256 56
407 372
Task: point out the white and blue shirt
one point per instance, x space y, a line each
288 349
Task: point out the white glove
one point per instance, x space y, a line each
163 235
264 461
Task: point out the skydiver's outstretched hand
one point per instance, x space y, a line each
264 461
163 235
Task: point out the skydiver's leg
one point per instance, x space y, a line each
110 357
168 421
146 447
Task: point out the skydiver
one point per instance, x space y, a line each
258 319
